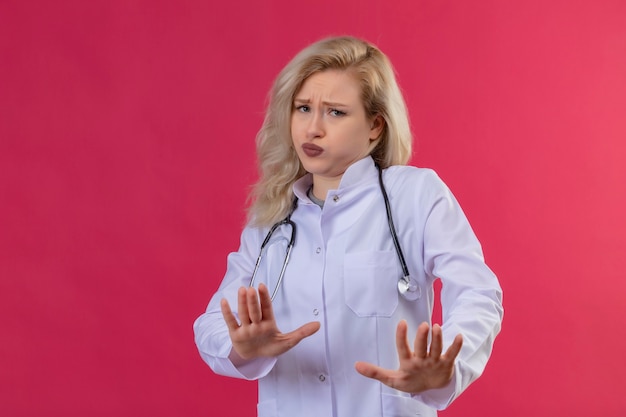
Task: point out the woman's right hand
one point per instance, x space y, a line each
258 335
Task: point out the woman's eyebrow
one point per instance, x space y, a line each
326 103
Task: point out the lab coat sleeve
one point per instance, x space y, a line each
471 296
210 330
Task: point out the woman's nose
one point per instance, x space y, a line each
315 129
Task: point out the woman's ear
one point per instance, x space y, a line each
377 126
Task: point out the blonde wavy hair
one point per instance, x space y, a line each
272 196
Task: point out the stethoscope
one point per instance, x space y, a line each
407 285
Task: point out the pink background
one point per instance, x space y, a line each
127 148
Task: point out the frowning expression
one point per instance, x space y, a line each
329 126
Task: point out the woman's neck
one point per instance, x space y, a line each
321 185
320 189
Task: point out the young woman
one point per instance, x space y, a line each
351 240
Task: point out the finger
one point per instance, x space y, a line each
370 370
254 309
267 311
291 339
303 331
453 351
242 306
436 342
421 341
229 317
402 342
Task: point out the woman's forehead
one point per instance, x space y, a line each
330 85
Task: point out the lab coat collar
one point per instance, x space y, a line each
362 171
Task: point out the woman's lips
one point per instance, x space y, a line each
311 150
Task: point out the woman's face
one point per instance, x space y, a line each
329 127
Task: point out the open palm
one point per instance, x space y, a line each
256 334
420 369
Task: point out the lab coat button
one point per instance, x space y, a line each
318 250
316 312
322 378
335 198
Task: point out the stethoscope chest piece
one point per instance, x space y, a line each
409 289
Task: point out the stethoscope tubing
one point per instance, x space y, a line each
407 286
292 240
392 228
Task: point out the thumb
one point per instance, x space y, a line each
291 339
371 371
303 331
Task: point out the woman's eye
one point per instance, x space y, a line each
303 108
337 113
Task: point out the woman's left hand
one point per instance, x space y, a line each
422 369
